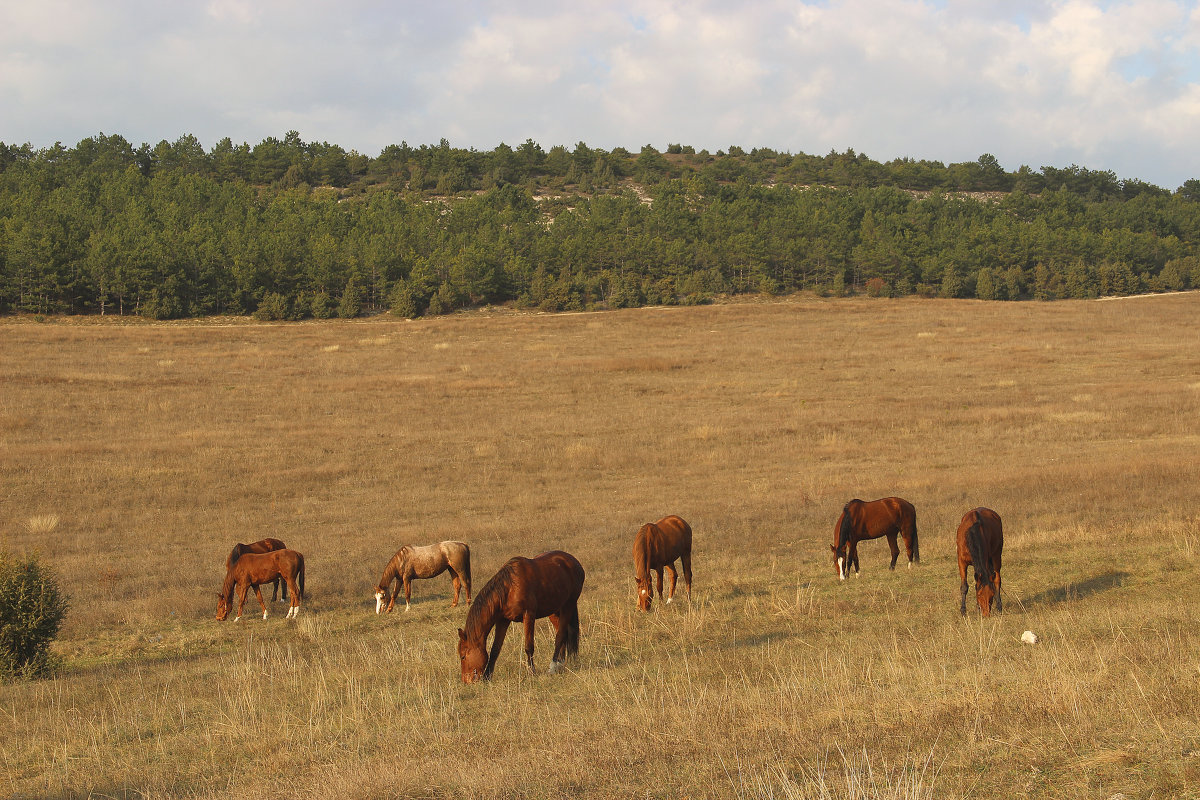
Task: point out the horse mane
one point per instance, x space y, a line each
641 551
847 525
484 608
980 557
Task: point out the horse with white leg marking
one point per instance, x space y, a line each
261 546
253 570
871 520
424 562
656 547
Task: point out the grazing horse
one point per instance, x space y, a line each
255 569
656 546
424 562
261 546
525 589
980 543
861 520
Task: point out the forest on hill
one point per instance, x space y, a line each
288 229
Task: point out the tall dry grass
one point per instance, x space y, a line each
157 446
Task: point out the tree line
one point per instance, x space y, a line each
289 229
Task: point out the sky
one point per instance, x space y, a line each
1104 85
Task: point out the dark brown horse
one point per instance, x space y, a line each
525 589
424 562
980 544
656 546
261 546
255 569
862 520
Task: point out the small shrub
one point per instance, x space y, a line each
273 307
351 304
32 608
322 306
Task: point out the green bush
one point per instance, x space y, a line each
32 608
273 307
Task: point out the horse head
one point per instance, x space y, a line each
985 595
841 560
645 590
382 596
222 607
472 657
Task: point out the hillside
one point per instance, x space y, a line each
291 230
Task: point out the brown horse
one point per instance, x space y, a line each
861 520
261 546
656 546
255 569
525 589
424 562
980 543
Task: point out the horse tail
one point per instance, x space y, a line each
916 546
466 567
980 557
572 623
234 555
300 579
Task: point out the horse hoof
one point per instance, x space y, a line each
556 667
237 619
406 608
264 615
669 599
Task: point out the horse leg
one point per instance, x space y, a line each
674 576
242 591
258 594
501 630
457 584
687 573
853 560
895 548
407 591
659 571
274 589
294 609
391 596
529 620
999 602
962 576
560 644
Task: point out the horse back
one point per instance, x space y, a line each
258 568
544 583
885 516
660 543
261 546
991 531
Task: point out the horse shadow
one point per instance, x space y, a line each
1079 590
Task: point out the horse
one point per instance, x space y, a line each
862 520
980 543
255 569
656 546
261 546
424 562
523 590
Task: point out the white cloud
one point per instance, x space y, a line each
1108 85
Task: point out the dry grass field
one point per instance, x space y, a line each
133 456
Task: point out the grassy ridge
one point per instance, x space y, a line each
158 446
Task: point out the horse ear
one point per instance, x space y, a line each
462 634
833 547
